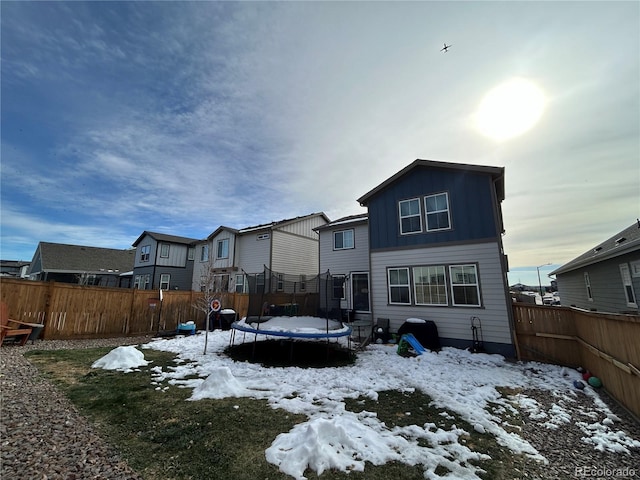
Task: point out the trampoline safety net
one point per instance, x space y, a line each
280 294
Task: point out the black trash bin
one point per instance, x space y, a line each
425 331
227 317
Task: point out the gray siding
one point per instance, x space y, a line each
213 250
177 255
607 289
146 240
304 227
253 253
341 262
452 322
294 254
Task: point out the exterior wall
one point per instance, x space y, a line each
180 279
607 289
454 323
177 255
474 215
253 253
294 254
304 226
225 262
146 240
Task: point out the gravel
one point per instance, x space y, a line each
43 436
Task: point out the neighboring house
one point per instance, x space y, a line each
83 265
344 252
14 268
287 246
435 240
605 278
163 261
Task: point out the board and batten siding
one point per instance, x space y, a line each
294 254
146 240
454 323
227 261
342 262
177 255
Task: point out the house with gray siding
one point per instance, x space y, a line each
605 278
163 261
289 247
344 253
435 251
80 264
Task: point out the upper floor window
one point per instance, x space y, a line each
410 216
628 285
223 248
465 288
191 253
343 240
437 212
144 253
164 250
587 284
204 253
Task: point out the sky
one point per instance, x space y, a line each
180 117
461 384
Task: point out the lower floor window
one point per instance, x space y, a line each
432 285
164 281
360 291
465 289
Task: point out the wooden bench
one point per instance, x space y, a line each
12 328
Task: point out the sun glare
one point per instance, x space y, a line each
510 109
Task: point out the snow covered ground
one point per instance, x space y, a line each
460 382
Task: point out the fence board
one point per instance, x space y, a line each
605 344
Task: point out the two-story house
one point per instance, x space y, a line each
605 278
344 253
288 247
163 261
435 251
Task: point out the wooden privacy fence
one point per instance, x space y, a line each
73 311
606 344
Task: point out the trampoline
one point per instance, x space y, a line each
303 331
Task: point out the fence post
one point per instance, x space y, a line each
47 308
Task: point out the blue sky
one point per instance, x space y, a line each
120 117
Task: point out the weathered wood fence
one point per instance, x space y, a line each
608 345
74 311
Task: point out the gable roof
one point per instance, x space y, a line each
163 237
626 241
497 173
266 226
360 218
78 258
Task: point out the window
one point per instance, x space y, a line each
343 240
628 286
338 287
146 281
410 216
191 253
204 253
144 253
164 250
437 212
399 292
164 281
137 281
587 284
240 284
223 248
465 289
360 291
429 285
262 236
303 283
280 284
260 283
221 283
